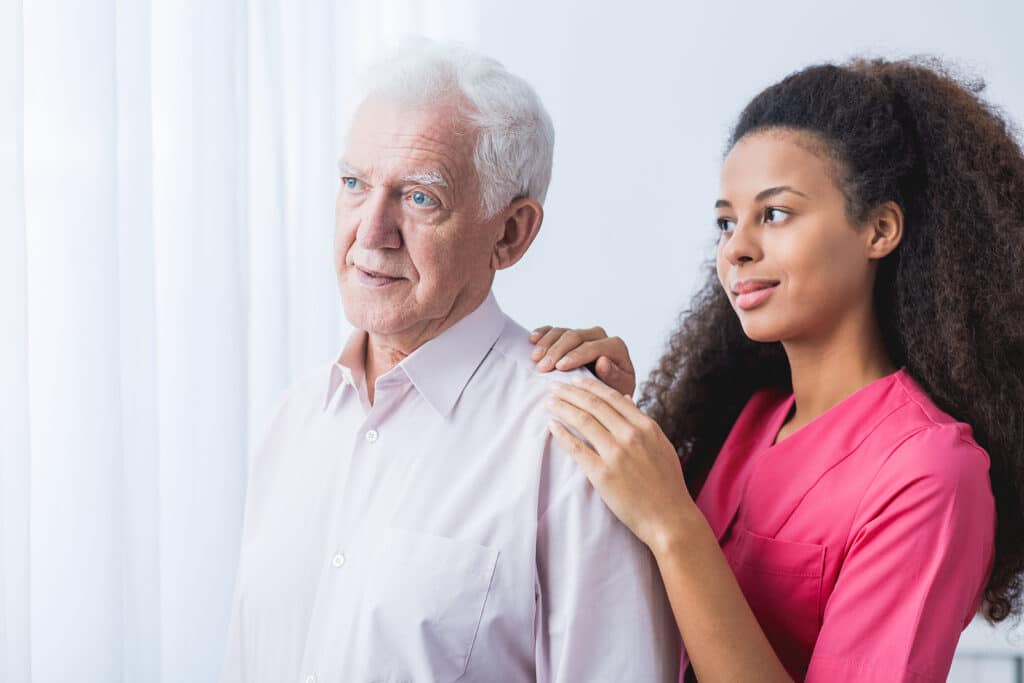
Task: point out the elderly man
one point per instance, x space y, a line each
408 516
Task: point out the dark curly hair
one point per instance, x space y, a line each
949 299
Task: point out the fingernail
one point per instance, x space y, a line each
537 352
577 380
546 364
562 363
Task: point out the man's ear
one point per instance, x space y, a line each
884 230
520 225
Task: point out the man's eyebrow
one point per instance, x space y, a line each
347 169
418 177
425 178
764 194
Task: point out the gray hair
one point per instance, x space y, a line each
515 137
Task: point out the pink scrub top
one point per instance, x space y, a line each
864 540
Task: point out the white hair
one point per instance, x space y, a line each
515 137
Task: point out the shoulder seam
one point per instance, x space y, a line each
955 423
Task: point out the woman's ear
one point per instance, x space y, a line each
884 230
520 225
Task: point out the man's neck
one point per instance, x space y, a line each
384 352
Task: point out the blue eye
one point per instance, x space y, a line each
351 184
422 199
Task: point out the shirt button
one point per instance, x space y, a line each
372 435
338 560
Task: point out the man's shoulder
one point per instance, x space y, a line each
513 347
308 391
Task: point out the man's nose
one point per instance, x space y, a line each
379 224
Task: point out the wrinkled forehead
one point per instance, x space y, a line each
389 139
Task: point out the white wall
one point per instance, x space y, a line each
643 95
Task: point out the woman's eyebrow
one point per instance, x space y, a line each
772 191
764 194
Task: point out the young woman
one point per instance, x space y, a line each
846 394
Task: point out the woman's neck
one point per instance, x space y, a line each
826 371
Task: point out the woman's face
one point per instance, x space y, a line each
792 264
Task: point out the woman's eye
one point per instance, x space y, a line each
774 215
422 200
725 224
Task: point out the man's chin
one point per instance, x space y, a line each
379 319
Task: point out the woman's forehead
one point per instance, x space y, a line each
770 159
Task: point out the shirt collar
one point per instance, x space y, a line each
439 369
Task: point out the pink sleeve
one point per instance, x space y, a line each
920 551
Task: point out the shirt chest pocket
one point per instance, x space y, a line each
423 604
782 582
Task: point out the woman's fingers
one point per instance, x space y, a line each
587 351
614 376
557 342
591 405
622 405
588 425
595 347
538 333
617 378
570 341
589 461
549 337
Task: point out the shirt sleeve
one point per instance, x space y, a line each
602 613
920 553
233 667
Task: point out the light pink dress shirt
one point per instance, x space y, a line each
437 535
863 541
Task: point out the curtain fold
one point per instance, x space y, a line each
14 426
136 257
74 398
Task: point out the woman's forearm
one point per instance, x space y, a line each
722 636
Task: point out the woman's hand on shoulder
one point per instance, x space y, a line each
626 456
559 348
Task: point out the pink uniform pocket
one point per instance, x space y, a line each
781 581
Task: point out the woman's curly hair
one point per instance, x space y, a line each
949 299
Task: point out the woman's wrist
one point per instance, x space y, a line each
678 530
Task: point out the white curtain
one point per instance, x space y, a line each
167 179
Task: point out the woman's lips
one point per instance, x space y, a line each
751 294
369 278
